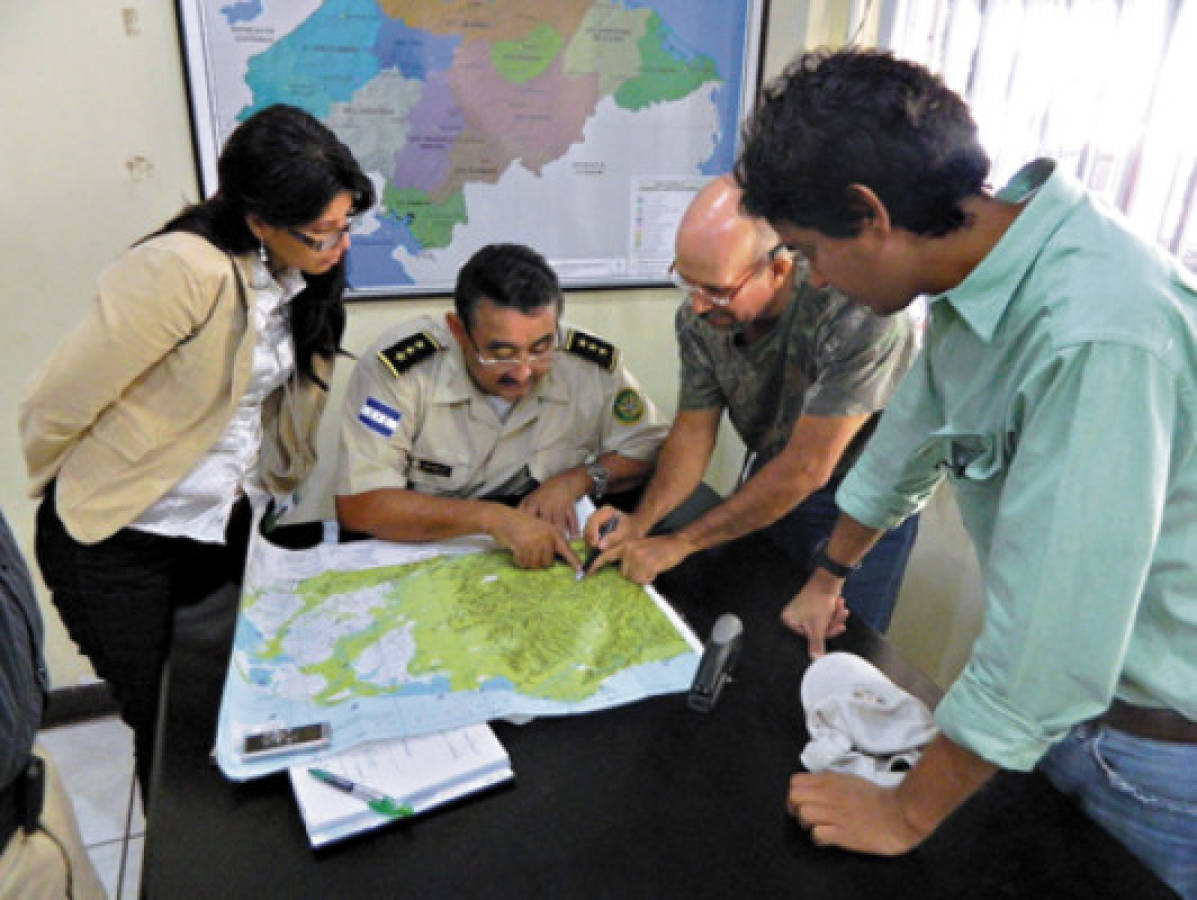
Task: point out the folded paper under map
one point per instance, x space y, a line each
387 640
420 772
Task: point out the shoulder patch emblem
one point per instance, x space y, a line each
379 417
628 407
591 348
402 355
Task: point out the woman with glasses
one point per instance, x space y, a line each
194 384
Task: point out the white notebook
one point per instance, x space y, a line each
420 772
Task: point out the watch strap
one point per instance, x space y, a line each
600 475
821 560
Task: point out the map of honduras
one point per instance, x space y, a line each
475 119
389 640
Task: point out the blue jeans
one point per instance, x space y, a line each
1141 791
872 590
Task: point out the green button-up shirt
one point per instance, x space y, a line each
1058 391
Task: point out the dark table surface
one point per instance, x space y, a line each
651 799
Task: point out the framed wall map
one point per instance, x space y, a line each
579 127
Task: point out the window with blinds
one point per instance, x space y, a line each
1103 86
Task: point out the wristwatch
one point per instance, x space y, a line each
821 560
599 474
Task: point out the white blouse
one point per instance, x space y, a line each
198 507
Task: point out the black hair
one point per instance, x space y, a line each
509 275
285 167
860 116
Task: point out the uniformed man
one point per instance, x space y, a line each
497 423
802 374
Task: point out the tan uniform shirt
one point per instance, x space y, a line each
426 426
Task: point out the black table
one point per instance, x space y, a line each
647 800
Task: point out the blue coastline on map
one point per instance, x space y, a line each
702 24
413 52
247 635
726 98
371 256
323 61
690 34
244 11
497 684
424 706
431 686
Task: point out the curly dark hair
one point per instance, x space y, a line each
510 275
860 116
285 167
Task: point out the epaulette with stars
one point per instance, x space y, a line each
592 348
402 355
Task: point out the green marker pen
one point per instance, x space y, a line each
376 800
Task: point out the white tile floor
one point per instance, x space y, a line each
95 760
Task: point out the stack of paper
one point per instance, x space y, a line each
418 772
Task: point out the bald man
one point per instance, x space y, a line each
802 373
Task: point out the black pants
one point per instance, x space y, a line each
118 599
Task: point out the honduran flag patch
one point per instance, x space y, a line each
379 417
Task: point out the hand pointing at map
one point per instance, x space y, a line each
534 543
641 555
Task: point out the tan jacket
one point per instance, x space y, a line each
148 382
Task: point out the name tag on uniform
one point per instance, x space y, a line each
434 468
377 416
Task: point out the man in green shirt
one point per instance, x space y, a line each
1056 391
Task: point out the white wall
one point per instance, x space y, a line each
80 100
95 151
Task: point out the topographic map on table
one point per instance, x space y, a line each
388 640
579 127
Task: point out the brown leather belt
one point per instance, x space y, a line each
1147 722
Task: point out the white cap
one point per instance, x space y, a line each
860 722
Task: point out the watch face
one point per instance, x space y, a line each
598 474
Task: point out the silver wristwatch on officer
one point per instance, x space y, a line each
600 475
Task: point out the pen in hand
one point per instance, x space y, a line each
376 800
605 529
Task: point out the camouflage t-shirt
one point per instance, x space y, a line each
825 356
